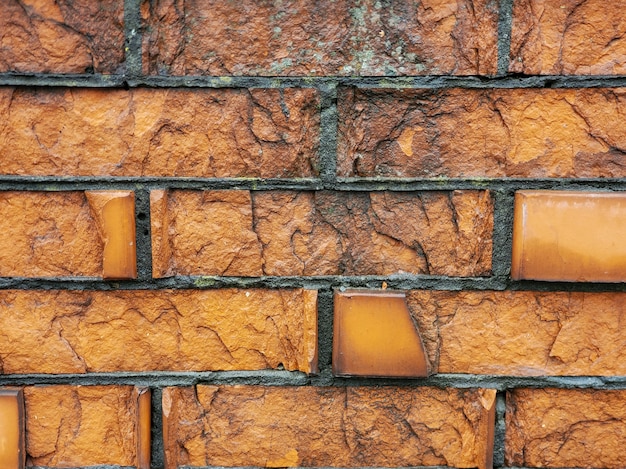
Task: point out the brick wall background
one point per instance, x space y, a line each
278 152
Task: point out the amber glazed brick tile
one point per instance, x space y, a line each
144 330
62 36
114 212
321 233
144 421
523 133
326 426
374 335
569 236
72 426
522 333
298 38
12 434
568 37
566 428
267 133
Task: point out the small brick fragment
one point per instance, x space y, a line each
48 234
297 38
566 428
266 133
62 36
568 37
71 426
522 333
323 233
459 133
325 426
144 330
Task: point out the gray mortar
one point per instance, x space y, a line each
502 189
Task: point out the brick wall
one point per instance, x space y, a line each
187 185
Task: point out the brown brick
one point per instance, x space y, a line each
62 36
69 426
345 37
143 330
325 426
522 333
46 234
566 428
322 233
482 133
568 37
146 132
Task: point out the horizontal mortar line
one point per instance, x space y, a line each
296 378
317 467
99 466
383 82
61 183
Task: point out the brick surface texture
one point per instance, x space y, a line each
202 133
92 331
566 428
324 233
346 37
481 133
187 185
349 427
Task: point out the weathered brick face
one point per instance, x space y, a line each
331 38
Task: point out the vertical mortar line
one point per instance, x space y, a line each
505 20
500 430
132 37
157 451
328 133
143 238
502 233
325 328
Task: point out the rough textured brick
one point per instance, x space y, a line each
566 428
522 333
146 132
482 133
45 234
308 426
69 426
143 330
568 37
322 233
64 36
345 37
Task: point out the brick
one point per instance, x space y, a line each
297 38
568 37
322 233
569 236
62 36
70 426
522 333
143 330
47 234
459 133
566 428
267 133
325 426
12 431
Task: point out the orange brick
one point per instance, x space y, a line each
47 234
566 428
62 36
322 233
460 133
69 426
12 432
150 132
325 426
568 37
569 236
343 37
522 333
144 330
